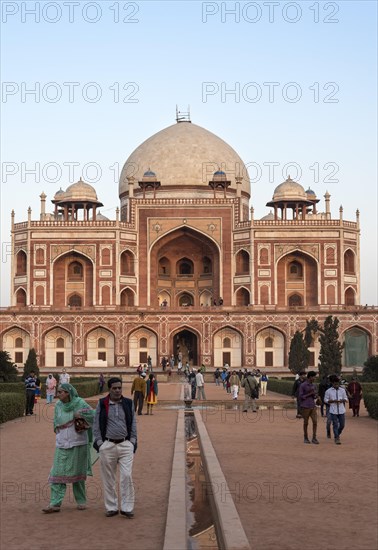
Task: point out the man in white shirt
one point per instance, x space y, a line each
200 386
64 377
336 398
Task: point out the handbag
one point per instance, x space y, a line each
81 425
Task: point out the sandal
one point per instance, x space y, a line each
51 509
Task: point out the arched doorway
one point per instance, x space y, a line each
185 264
186 343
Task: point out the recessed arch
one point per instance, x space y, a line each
349 262
127 262
191 261
186 341
127 297
303 282
185 299
100 346
242 262
57 356
242 297
16 341
21 263
20 297
138 354
295 300
72 273
270 347
228 345
357 347
350 296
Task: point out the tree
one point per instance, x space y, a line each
31 364
299 356
8 371
330 348
370 372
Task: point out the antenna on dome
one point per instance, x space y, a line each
182 116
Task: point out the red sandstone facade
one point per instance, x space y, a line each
186 267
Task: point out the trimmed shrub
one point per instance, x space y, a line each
281 386
369 387
12 387
12 405
371 404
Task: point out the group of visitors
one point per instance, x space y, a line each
112 431
144 390
232 380
33 389
331 395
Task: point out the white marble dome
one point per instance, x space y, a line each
184 155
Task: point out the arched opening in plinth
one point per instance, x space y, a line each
185 345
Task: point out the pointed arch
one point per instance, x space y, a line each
127 262
350 296
127 297
21 263
270 347
242 262
21 297
357 349
228 346
349 262
242 296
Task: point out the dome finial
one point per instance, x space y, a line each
182 116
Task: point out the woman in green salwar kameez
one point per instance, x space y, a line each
72 459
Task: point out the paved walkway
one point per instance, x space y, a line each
280 486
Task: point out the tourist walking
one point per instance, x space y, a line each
235 384
138 389
115 437
50 388
264 383
301 377
354 391
64 377
101 383
217 376
200 383
250 392
73 418
30 387
307 395
151 393
336 397
192 382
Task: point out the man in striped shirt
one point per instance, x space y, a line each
30 387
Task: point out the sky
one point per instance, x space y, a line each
291 86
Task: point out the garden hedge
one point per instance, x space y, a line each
369 387
12 396
371 404
281 386
12 405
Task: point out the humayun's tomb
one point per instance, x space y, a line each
184 265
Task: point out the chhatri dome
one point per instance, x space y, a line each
184 155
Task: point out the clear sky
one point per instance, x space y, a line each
291 86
